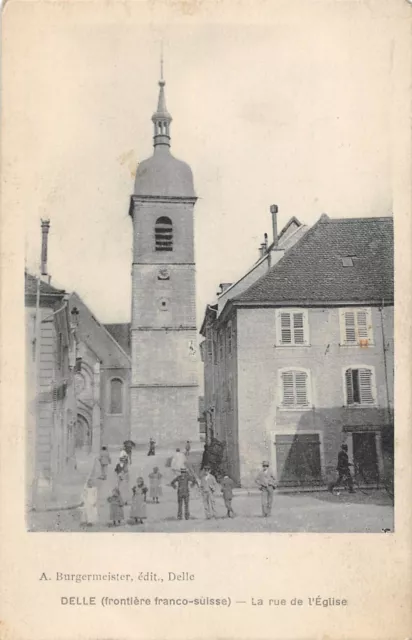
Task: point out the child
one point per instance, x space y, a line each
89 508
155 484
227 485
123 482
104 460
138 510
116 507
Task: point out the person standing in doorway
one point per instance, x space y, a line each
344 474
266 482
208 487
183 492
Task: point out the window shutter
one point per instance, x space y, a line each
298 328
350 328
301 389
285 328
349 386
288 389
365 383
362 319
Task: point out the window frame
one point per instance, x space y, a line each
163 220
109 408
373 387
344 342
305 327
229 338
309 393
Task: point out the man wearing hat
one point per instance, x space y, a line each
183 493
208 487
344 474
266 482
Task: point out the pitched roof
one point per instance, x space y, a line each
121 333
312 271
30 286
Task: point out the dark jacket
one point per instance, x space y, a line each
183 480
343 461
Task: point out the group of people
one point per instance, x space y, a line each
185 479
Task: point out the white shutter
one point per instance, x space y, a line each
298 328
285 328
350 326
362 320
349 386
301 389
288 389
365 384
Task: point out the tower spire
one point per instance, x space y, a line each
161 118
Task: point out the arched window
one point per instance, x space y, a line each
164 234
116 396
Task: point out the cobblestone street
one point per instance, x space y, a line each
320 511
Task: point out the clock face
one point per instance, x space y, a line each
163 274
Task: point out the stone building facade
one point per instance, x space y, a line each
50 393
304 358
164 385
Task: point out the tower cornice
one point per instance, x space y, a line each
142 199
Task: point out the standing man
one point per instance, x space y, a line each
344 474
104 460
208 487
128 446
266 482
183 493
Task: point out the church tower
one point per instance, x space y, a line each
164 385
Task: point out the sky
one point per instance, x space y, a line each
290 107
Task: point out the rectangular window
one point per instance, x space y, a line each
356 327
292 327
359 387
229 338
295 391
209 345
221 346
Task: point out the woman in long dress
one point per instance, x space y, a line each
89 508
155 487
138 510
116 507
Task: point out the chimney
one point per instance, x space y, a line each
274 212
266 240
262 250
45 226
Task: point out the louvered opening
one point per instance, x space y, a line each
288 390
285 327
298 328
362 318
301 391
359 386
164 234
295 390
350 327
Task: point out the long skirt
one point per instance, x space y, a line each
138 509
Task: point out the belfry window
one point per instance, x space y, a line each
164 234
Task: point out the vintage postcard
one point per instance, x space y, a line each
206 345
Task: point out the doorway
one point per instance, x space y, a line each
83 434
365 456
298 459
